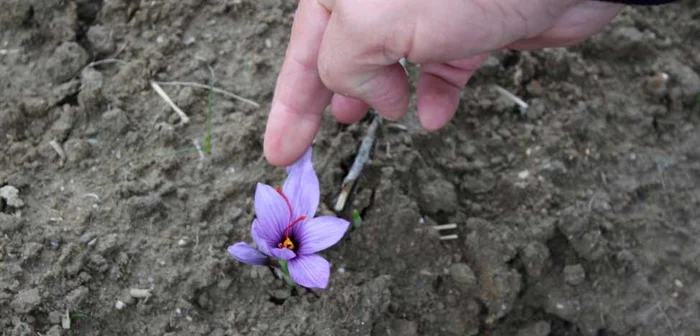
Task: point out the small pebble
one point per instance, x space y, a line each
11 196
523 174
139 293
66 321
119 305
678 283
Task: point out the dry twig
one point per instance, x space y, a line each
162 94
445 227
57 147
208 87
106 61
357 166
521 103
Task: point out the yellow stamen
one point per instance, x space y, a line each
286 243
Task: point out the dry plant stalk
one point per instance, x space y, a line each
166 98
217 90
357 166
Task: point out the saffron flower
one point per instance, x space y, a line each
285 228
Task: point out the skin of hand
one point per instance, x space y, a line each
345 53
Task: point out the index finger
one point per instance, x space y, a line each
300 96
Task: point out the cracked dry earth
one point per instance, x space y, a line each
578 218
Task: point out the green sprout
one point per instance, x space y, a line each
210 104
75 316
356 219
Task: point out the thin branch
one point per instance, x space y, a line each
162 94
106 61
445 227
57 147
357 166
208 87
523 105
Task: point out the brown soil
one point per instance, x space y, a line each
578 218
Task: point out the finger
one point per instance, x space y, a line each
386 91
300 97
353 63
574 26
440 87
379 83
348 110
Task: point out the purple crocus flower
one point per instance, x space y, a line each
285 227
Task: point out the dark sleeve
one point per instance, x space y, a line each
641 2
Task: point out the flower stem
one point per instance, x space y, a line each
285 273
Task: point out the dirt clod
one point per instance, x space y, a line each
65 62
682 75
539 328
101 39
54 331
76 297
26 300
390 327
574 274
535 256
14 13
439 195
498 289
463 276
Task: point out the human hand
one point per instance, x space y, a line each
345 53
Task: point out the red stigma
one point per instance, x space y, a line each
287 242
295 222
286 200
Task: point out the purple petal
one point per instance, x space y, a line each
320 233
310 271
272 215
262 244
302 187
246 254
282 253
